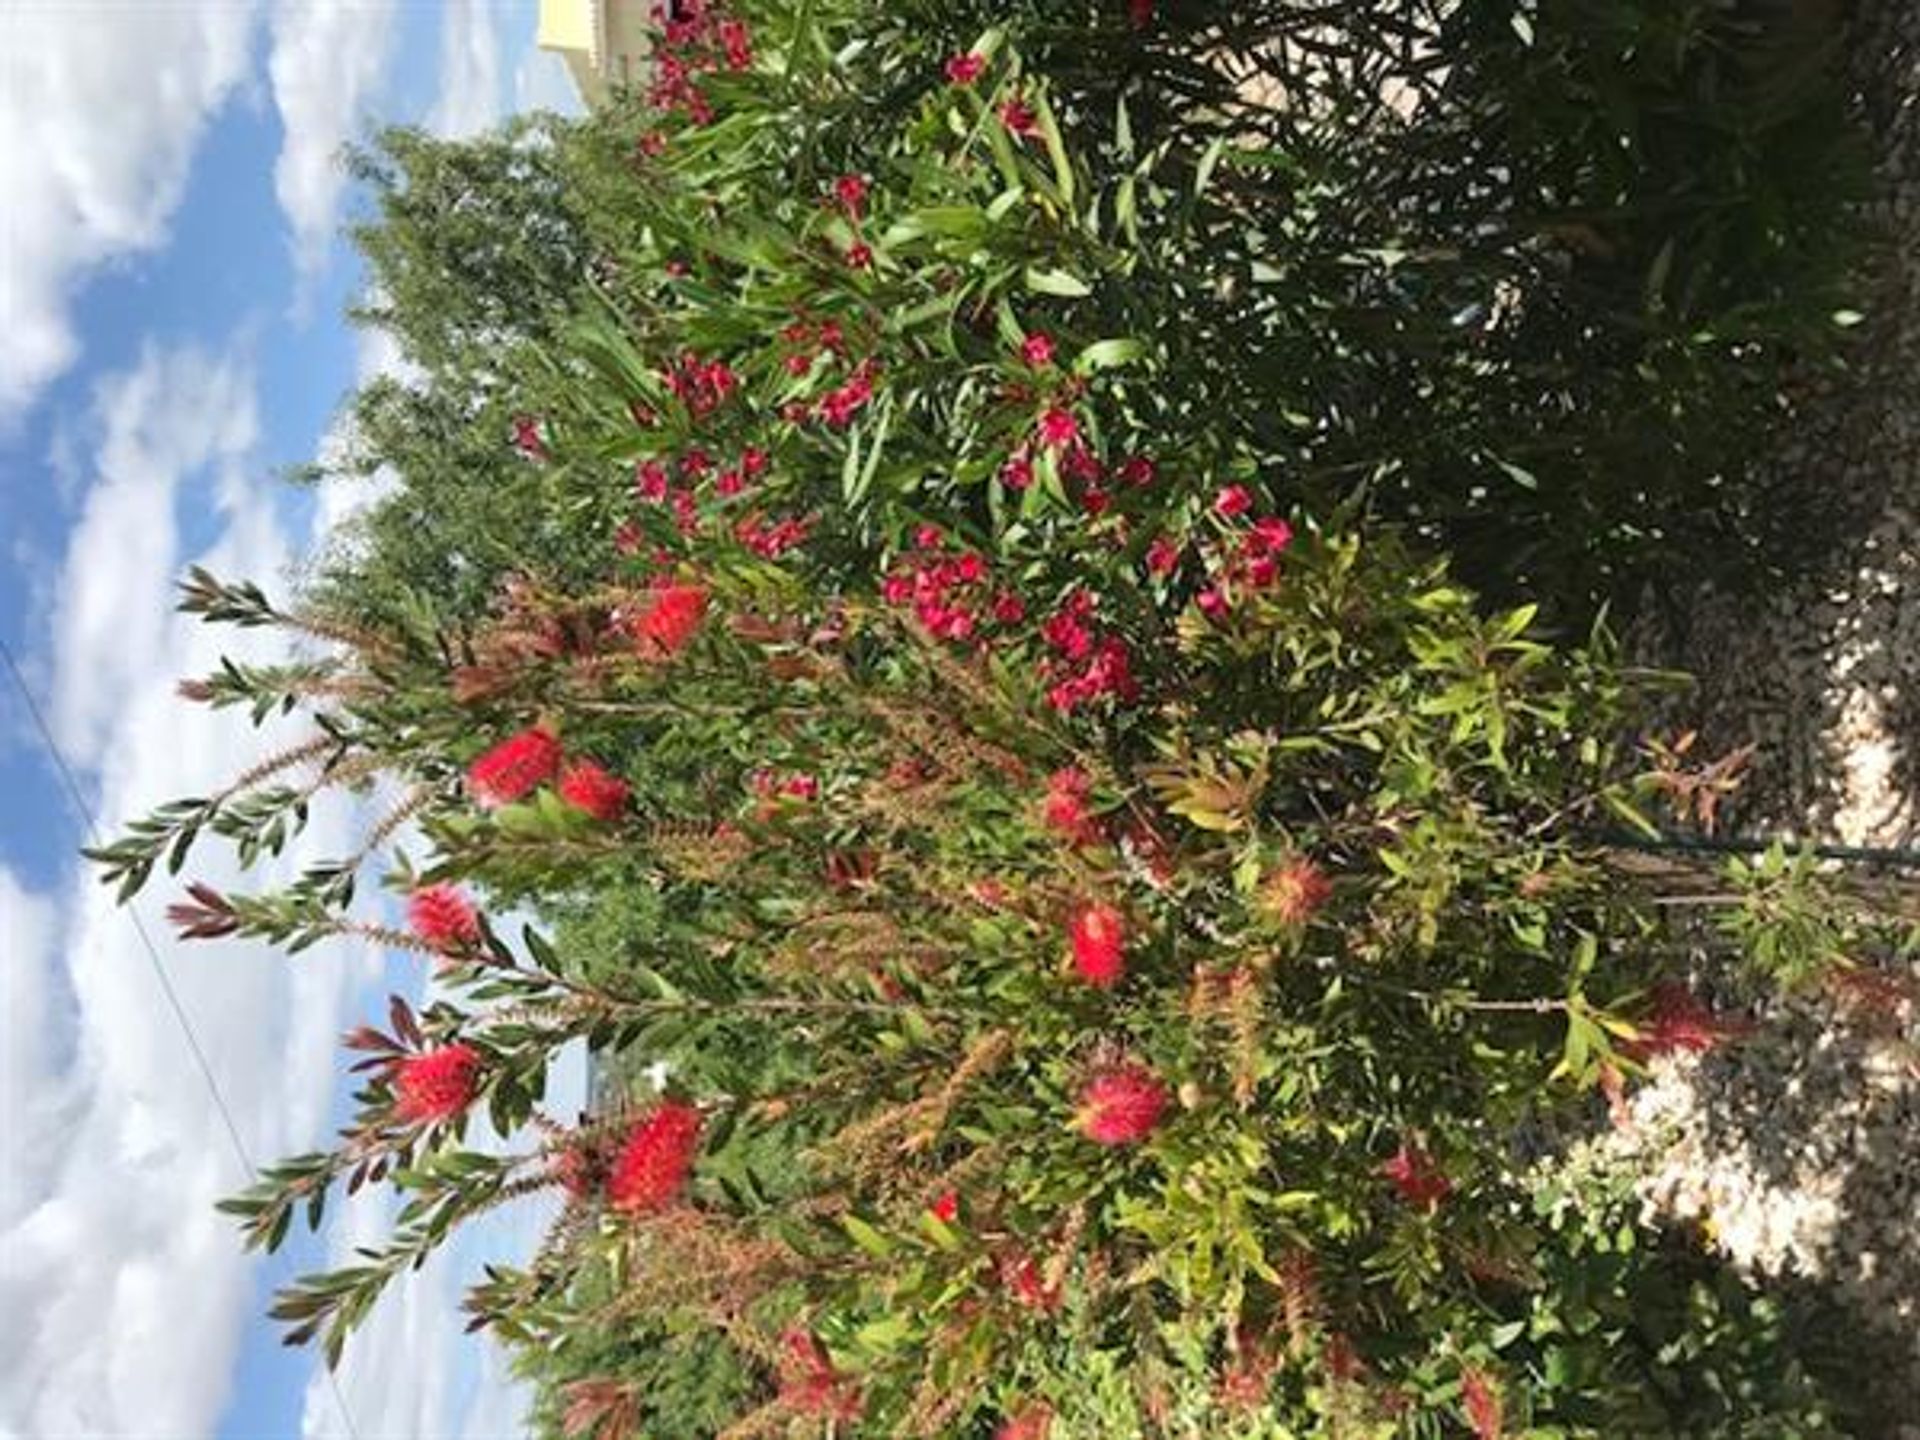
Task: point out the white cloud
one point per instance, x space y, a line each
98 123
175 414
107 1236
327 56
469 97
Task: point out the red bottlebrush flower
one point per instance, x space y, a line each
1037 351
1121 1105
1058 429
965 69
811 1385
1065 808
514 767
586 786
1419 1181
851 192
666 626
1233 500
860 255
1680 1023
1031 1422
1026 1284
1480 1398
1291 894
1163 556
1099 934
1019 118
435 1084
443 917
652 1165
946 1207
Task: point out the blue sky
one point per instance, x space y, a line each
171 293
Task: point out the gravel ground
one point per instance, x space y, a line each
1800 1147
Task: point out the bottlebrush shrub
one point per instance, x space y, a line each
875 571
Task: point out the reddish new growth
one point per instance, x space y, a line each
587 787
652 1165
1099 935
436 1084
1065 808
669 621
1480 1398
1030 1422
443 917
1420 1182
514 767
809 1383
1680 1024
1291 894
1121 1105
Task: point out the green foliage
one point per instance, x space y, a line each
1112 900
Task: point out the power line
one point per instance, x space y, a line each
90 824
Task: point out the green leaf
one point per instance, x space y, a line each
1108 355
1057 282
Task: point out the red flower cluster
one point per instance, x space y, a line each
527 439
1037 350
652 1165
589 788
1065 808
965 69
946 1207
838 406
1254 563
949 590
701 385
1121 1105
514 767
443 917
1098 933
811 1385
1163 555
1420 1182
694 40
669 621
1019 118
435 1084
1085 664
771 539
